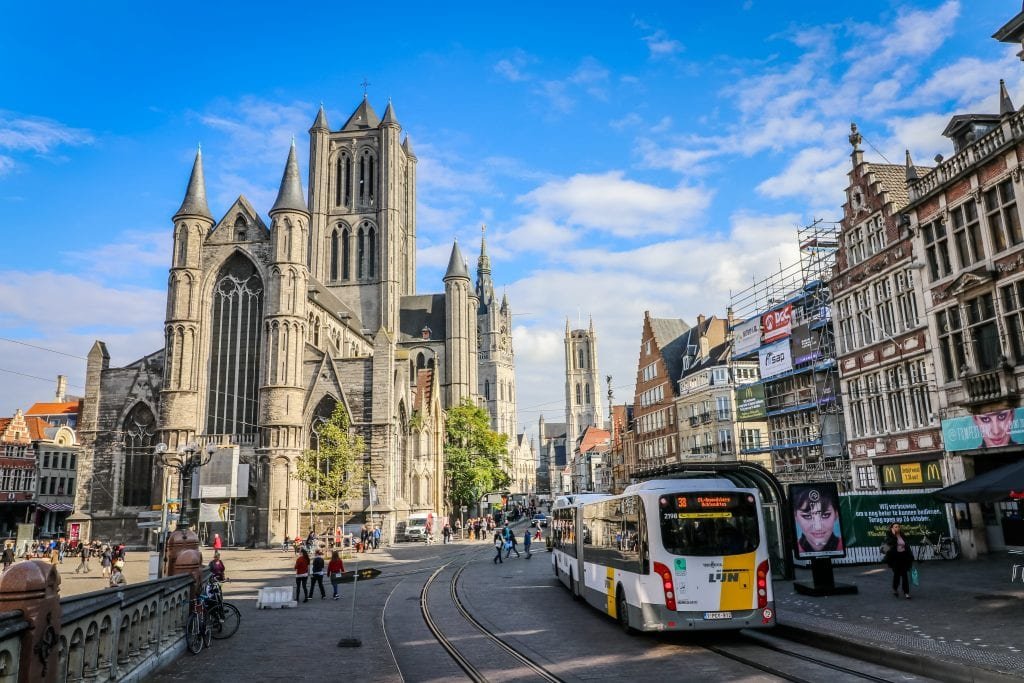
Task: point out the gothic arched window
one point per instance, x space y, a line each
586 393
371 252
360 253
579 358
334 255
343 180
367 177
487 389
579 395
235 347
183 245
139 431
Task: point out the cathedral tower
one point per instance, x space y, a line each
362 240
582 384
458 331
179 397
497 365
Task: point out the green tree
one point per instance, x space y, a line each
333 472
475 456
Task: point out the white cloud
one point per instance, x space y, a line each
35 134
817 174
610 202
513 67
661 45
123 258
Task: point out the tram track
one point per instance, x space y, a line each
472 671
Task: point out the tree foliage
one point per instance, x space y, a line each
335 472
476 457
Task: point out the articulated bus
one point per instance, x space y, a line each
668 555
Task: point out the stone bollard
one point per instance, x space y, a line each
33 586
183 557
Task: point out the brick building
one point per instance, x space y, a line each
663 344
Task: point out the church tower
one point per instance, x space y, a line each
362 239
458 333
582 384
179 397
497 365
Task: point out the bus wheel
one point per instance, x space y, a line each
622 613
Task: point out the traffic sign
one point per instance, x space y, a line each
150 514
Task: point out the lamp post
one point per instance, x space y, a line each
185 461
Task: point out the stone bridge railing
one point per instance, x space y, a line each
106 635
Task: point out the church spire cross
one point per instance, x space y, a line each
365 85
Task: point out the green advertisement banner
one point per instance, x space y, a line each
750 403
866 518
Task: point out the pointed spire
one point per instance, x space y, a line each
289 197
407 146
456 264
911 169
1005 103
321 120
389 115
504 300
363 118
483 264
195 196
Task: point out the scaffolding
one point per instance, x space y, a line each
803 405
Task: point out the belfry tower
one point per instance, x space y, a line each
582 384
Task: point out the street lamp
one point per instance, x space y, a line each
188 459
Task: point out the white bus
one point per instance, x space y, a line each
668 555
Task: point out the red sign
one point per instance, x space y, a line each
74 531
777 325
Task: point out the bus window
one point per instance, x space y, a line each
709 524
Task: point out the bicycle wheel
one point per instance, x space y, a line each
224 620
193 637
207 633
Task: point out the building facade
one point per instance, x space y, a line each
268 328
17 473
663 343
885 362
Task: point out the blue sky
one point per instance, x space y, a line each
624 159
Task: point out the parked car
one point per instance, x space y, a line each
539 520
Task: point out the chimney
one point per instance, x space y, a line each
700 320
62 388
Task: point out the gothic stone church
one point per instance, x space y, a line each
268 328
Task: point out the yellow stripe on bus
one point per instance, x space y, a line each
609 584
739 582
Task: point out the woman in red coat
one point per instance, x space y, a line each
302 576
334 569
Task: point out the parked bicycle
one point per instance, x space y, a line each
946 548
197 630
224 618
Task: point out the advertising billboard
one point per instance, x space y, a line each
819 532
746 337
802 344
750 403
985 430
775 359
912 475
777 324
866 518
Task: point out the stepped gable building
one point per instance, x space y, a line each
269 327
663 344
885 365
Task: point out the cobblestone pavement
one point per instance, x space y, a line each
965 613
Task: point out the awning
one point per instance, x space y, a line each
999 484
58 507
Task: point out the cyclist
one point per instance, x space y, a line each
217 567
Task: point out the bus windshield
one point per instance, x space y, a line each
709 524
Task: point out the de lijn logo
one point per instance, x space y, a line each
729 576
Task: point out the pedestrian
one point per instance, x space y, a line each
376 537
899 558
446 532
510 541
117 578
335 568
498 543
83 559
217 543
106 561
526 544
476 529
8 556
217 567
537 535
458 529
317 574
302 576
54 555
364 539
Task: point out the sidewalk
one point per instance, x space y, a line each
964 621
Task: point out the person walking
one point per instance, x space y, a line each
446 533
335 568
526 544
217 543
217 567
302 576
117 578
106 561
899 558
8 556
376 538
510 541
499 542
83 559
317 574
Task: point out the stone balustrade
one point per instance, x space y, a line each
969 157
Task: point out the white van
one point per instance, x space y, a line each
420 525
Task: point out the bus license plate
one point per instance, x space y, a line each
718 615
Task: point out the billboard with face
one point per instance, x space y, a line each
816 517
985 430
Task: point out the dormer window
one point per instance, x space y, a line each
425 332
